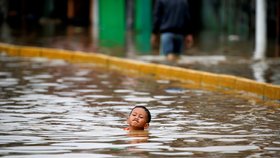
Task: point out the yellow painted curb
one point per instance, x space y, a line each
123 64
186 75
250 86
272 91
209 79
57 54
147 68
163 71
29 51
202 79
12 50
258 88
243 84
3 47
97 59
227 81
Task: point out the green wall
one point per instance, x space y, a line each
112 23
143 25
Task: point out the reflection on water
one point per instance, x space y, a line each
50 108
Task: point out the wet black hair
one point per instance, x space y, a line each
146 110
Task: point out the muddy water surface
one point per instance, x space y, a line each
50 108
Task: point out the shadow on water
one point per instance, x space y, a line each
212 53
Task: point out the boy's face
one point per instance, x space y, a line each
138 119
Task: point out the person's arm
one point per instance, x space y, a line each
189 32
155 40
157 16
189 40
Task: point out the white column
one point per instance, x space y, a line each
94 21
261 39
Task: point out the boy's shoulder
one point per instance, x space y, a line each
126 129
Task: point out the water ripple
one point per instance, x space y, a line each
49 108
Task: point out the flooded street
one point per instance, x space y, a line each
208 54
51 108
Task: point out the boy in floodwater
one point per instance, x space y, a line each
139 118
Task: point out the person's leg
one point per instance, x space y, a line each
166 44
178 47
172 57
178 44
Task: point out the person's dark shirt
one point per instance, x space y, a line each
172 16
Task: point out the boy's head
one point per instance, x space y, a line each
139 118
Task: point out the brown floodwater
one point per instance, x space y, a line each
51 108
210 52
